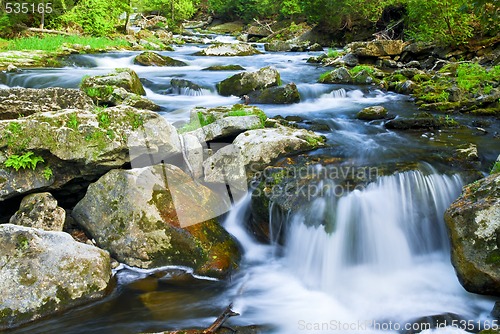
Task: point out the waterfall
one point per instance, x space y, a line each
339 93
386 226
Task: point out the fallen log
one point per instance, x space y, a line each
219 322
49 31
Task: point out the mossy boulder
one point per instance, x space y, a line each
157 216
209 124
40 211
101 87
287 94
246 82
24 59
377 48
228 50
149 58
338 76
43 272
254 149
473 222
224 68
422 121
80 145
16 102
372 113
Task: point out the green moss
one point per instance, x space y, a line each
224 68
495 169
360 68
493 257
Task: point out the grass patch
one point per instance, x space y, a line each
360 68
496 168
54 43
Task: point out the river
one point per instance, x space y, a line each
385 261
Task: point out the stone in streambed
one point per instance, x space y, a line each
473 221
40 211
42 273
287 94
149 58
372 113
228 50
246 82
158 216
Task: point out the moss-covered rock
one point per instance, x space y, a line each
338 76
473 222
149 58
377 48
372 113
287 94
40 211
42 273
24 59
79 145
246 82
224 68
423 121
157 216
229 50
16 102
100 87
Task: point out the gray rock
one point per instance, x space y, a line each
473 221
287 94
82 144
149 58
12 68
229 50
350 59
46 272
193 152
339 76
316 47
40 211
157 216
405 87
372 113
255 148
16 102
101 87
413 64
377 48
279 46
246 82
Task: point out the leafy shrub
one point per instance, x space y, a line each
27 160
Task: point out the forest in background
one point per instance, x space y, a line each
451 22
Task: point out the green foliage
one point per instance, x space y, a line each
175 11
96 17
104 119
240 110
205 119
496 168
444 21
332 53
54 43
47 173
73 122
24 161
360 68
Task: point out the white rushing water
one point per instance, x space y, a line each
386 262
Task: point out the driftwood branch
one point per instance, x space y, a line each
264 25
226 314
48 31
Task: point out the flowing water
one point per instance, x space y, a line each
379 256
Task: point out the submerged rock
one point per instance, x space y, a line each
40 211
157 216
46 272
229 50
224 68
246 82
16 102
473 221
149 58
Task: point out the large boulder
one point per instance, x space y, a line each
16 102
158 216
378 48
229 50
473 221
224 122
70 148
149 58
246 82
46 272
287 94
254 149
101 87
338 76
40 211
